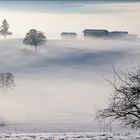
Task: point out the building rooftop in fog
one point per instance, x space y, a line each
105 33
95 32
118 34
68 35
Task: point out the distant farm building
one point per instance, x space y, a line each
68 35
102 33
117 34
95 32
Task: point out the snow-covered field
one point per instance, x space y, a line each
70 136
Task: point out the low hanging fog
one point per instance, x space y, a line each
63 82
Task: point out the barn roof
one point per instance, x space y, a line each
68 33
95 30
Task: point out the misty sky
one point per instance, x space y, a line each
55 17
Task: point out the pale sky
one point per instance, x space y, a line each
74 17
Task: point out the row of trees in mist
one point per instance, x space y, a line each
7 78
33 37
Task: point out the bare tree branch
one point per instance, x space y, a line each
125 101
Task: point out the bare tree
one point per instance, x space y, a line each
34 38
5 28
125 102
6 81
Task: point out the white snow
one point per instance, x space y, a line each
71 136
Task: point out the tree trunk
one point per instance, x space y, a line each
36 49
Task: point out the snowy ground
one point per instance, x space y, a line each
70 136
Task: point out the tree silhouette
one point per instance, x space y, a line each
125 102
6 81
5 28
34 38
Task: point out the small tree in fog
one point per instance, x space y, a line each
34 38
125 102
6 81
5 28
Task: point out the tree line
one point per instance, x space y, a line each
33 37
